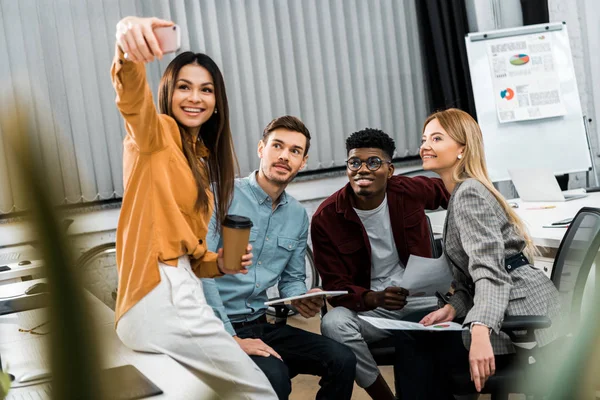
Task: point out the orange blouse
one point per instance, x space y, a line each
158 221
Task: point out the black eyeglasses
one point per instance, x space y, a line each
372 163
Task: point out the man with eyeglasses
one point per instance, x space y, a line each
362 237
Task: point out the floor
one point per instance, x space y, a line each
306 386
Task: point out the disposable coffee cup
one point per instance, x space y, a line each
236 232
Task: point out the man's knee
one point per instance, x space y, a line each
277 373
338 322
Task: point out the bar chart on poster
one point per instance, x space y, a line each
527 100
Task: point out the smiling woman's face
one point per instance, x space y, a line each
438 151
193 101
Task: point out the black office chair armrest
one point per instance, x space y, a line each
281 313
525 322
324 309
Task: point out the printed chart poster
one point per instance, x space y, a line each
525 81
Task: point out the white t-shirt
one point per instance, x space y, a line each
386 267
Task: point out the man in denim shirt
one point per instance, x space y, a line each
278 240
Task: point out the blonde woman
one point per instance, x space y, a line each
491 253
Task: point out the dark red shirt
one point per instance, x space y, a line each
341 246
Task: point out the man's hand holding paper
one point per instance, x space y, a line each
391 298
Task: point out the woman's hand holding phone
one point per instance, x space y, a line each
137 39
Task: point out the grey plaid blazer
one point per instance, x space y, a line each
478 238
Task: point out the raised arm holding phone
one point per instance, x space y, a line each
169 157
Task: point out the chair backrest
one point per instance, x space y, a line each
98 268
576 254
312 280
436 245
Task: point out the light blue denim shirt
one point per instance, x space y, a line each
278 240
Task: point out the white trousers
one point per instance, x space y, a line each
174 319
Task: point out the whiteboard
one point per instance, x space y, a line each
557 143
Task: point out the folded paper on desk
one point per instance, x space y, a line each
393 324
127 383
425 276
288 300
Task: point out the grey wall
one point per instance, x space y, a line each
340 65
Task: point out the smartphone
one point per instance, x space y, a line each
169 38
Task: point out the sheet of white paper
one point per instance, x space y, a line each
392 324
424 276
288 300
22 359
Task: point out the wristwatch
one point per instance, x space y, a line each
479 323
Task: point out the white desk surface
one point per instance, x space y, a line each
16 233
535 219
23 351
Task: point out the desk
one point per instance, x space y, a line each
18 271
24 351
11 257
536 219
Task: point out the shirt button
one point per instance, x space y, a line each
257 285
289 246
260 262
267 238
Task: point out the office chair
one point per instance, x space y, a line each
99 272
576 254
313 280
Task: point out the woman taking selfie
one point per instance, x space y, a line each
170 157
491 254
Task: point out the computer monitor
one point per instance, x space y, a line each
539 184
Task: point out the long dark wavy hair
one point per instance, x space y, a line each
215 133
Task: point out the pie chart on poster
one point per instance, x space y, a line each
519 59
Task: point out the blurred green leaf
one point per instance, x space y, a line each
72 345
4 384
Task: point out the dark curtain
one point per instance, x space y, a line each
535 12
443 28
